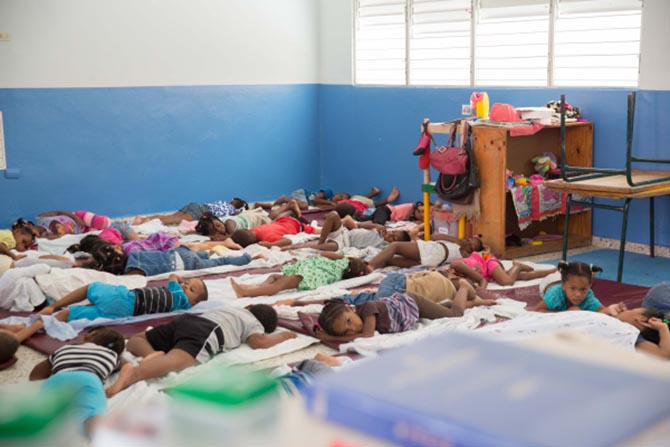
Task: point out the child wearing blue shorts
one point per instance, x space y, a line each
109 301
81 369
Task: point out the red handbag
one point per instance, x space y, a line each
450 159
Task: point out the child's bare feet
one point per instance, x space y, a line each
138 220
327 359
238 288
122 382
522 267
395 192
374 191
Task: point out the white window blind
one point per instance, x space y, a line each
597 43
380 42
440 42
512 42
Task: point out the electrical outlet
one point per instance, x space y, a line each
466 109
5 37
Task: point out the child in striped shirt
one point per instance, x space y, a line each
82 369
109 301
341 322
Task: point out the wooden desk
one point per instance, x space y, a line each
614 187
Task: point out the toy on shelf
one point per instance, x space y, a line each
544 163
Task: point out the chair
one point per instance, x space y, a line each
619 184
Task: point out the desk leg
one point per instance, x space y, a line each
622 249
565 230
651 227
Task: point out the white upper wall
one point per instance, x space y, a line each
336 62
93 43
336 27
655 55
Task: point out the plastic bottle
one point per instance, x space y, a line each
479 102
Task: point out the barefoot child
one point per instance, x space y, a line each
108 301
340 322
193 339
84 368
484 267
306 274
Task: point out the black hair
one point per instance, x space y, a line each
109 338
266 314
108 259
345 209
239 203
87 244
405 236
577 268
9 344
205 295
331 310
357 267
412 213
205 224
21 222
650 334
244 237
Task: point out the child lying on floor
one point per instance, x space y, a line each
108 301
272 234
574 291
149 263
484 267
440 251
219 230
306 274
337 234
341 322
83 368
434 286
193 339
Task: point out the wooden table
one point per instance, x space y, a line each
614 187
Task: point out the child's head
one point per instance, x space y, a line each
87 243
397 236
109 338
195 290
209 224
639 317
108 259
21 222
470 245
417 212
338 318
24 238
266 314
239 203
244 237
576 280
9 344
341 196
357 267
345 209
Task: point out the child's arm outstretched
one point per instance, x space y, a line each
75 296
4 250
283 242
264 341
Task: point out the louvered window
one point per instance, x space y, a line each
498 42
440 42
597 43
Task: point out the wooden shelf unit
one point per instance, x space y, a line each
497 151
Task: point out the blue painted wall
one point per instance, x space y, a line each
368 135
121 151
